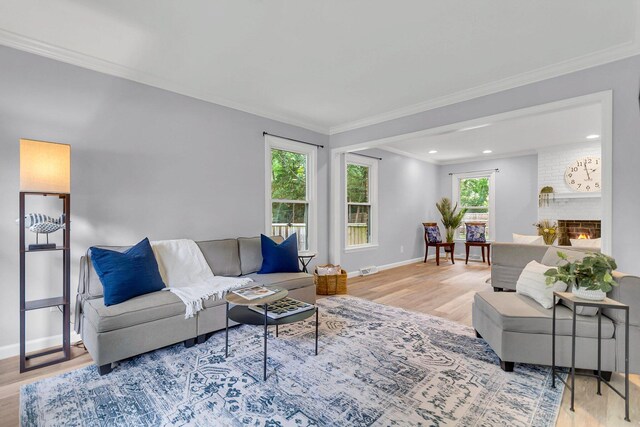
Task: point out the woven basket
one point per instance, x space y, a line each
330 285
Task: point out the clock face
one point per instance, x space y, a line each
584 174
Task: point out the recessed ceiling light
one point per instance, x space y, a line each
433 151
487 152
593 136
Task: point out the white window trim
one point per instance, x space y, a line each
455 195
373 201
272 142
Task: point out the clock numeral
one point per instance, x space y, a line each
597 185
579 185
570 175
580 164
589 160
573 181
588 187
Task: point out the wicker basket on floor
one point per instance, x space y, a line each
330 285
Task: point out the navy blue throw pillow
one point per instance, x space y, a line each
127 274
279 258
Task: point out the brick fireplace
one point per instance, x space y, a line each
576 229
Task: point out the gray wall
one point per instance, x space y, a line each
145 162
516 193
407 192
620 76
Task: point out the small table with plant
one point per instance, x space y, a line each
590 278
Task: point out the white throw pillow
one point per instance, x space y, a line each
532 283
527 240
586 243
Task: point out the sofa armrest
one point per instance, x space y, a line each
509 259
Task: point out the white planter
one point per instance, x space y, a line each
583 293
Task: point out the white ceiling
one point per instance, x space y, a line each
505 138
328 65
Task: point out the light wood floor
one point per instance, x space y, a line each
445 291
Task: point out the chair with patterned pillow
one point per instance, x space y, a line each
432 238
477 237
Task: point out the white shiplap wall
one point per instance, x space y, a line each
552 163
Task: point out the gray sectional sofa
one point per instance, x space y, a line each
151 321
518 329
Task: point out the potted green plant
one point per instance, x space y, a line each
451 217
591 277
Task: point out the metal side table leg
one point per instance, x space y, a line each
553 345
226 333
317 324
264 369
599 350
626 365
573 360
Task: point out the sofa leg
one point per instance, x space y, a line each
605 374
506 366
478 334
498 289
190 342
201 339
105 369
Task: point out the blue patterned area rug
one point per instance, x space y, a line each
378 366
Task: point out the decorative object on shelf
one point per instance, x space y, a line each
591 276
584 175
451 217
548 230
546 193
42 224
45 170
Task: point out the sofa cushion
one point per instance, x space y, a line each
250 254
93 284
127 274
552 259
279 257
138 310
250 250
518 313
222 256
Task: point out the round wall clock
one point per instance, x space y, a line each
584 175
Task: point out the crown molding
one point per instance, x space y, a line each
622 51
27 44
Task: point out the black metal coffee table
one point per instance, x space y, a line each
241 313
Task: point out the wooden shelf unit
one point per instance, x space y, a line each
59 301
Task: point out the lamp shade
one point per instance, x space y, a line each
45 167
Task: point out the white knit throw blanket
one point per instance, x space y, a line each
187 274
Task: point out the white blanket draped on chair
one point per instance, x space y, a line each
187 274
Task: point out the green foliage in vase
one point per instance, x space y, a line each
451 216
593 272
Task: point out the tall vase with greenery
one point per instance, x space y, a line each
451 217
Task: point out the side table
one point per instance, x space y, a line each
241 313
305 258
575 302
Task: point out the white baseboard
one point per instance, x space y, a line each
411 261
35 345
388 266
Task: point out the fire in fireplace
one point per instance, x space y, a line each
577 229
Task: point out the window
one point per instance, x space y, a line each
291 189
361 201
475 192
